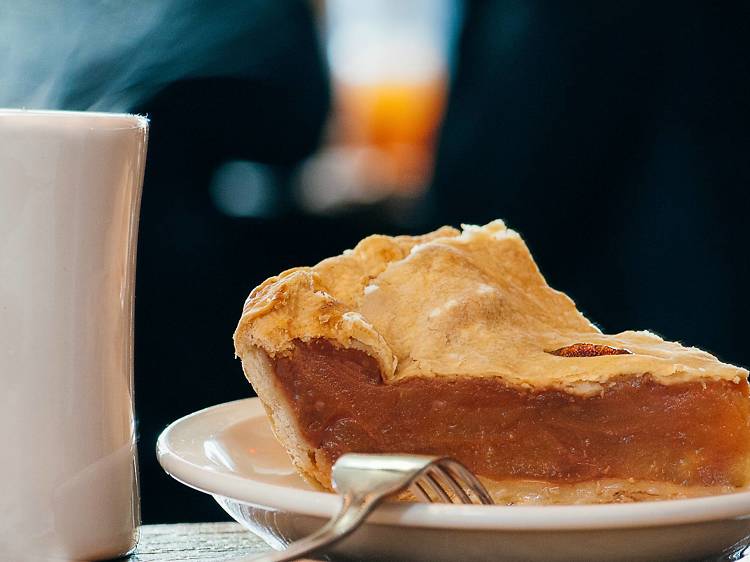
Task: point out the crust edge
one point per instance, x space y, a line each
310 463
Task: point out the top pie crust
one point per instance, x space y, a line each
450 303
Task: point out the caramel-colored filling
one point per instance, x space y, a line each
694 433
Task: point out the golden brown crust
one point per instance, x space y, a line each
610 490
452 304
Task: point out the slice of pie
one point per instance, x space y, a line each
452 343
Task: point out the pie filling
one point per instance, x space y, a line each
688 434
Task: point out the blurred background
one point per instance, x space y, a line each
613 135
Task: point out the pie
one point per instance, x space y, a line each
452 343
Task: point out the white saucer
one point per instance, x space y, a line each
229 452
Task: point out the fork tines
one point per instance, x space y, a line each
448 481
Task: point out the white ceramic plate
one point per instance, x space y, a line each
229 452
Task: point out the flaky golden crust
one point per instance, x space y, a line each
447 304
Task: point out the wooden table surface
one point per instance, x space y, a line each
207 542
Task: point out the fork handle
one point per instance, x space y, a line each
354 510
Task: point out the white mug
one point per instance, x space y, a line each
70 185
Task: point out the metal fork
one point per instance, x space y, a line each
366 480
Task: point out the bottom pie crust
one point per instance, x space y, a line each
635 440
611 490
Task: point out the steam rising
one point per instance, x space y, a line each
109 55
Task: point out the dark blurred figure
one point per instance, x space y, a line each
615 136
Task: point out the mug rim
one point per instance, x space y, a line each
93 119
